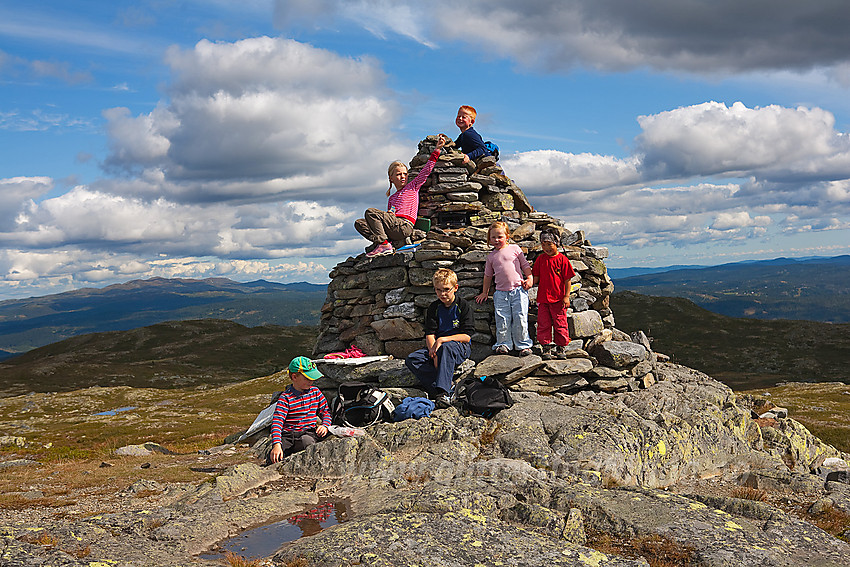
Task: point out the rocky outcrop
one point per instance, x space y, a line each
533 486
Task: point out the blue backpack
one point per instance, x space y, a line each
493 149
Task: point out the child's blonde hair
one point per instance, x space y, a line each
390 170
445 276
470 110
499 224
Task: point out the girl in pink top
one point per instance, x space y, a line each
396 223
512 272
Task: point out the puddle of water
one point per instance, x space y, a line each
266 540
115 411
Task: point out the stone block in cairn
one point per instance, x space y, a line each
398 329
585 324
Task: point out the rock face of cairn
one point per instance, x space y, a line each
378 304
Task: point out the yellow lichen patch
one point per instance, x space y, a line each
722 512
473 516
579 435
476 543
103 563
661 448
662 495
732 526
697 506
594 559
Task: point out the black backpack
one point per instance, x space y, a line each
358 404
484 396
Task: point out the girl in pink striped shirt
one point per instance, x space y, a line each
396 223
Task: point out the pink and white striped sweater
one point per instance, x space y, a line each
405 202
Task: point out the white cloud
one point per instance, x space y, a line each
260 117
782 163
774 142
740 219
15 193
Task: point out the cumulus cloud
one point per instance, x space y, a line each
611 35
15 193
787 167
711 138
260 117
101 221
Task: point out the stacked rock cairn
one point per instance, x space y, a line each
378 304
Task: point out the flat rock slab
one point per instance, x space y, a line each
452 539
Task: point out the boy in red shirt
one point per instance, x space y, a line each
552 273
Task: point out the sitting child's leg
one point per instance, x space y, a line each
304 440
449 357
421 365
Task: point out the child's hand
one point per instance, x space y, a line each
276 454
481 298
465 158
321 430
527 283
441 141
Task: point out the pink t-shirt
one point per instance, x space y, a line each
507 267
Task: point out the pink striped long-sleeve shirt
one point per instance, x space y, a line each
405 202
297 411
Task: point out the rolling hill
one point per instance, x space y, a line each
174 354
743 353
815 289
26 324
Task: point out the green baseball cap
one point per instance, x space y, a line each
305 366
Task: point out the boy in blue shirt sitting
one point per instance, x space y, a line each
469 141
449 326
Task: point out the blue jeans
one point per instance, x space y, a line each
449 357
512 319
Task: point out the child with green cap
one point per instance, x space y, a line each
298 410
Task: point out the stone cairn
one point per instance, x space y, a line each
378 304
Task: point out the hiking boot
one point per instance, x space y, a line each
547 352
502 349
380 250
443 401
525 352
560 352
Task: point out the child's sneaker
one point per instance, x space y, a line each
525 352
380 250
547 353
443 401
502 349
560 352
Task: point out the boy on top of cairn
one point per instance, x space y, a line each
470 142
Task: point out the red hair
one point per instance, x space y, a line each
470 110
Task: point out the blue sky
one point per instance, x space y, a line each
242 139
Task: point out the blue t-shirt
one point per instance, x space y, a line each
471 143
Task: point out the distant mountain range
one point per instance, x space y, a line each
816 289
26 324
